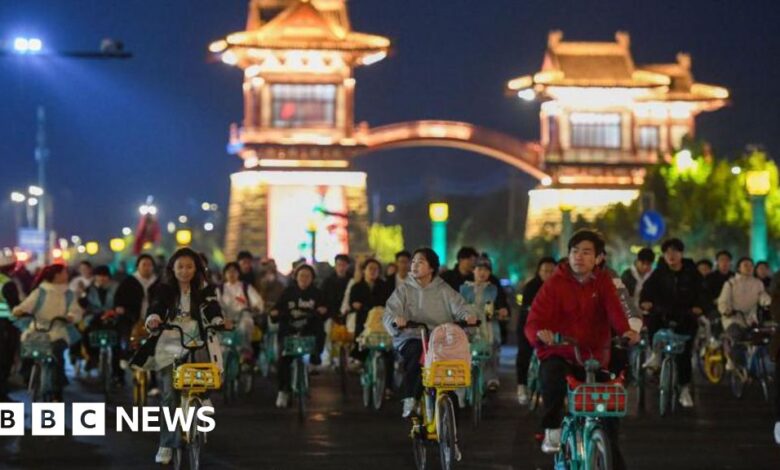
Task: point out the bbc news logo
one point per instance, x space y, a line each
89 419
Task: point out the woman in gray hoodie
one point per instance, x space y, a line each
423 298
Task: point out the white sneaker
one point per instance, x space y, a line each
207 402
522 395
164 455
282 400
123 364
777 433
409 406
493 385
653 362
153 392
552 441
729 364
685 397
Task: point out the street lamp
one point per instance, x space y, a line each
18 197
184 237
439 213
92 248
117 245
35 191
758 185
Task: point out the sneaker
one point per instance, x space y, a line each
552 441
123 364
685 397
493 385
153 392
653 362
207 402
164 455
522 395
282 400
410 404
777 433
729 365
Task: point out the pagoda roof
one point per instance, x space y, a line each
682 86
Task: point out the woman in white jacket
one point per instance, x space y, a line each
51 299
738 305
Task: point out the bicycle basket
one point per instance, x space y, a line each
101 338
481 349
229 338
381 341
669 341
340 334
298 345
36 346
598 400
197 376
447 374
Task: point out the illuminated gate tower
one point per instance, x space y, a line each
298 131
604 120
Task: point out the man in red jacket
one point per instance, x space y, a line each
579 301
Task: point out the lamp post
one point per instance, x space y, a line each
758 185
311 227
439 213
566 205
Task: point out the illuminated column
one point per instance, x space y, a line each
439 213
758 185
566 205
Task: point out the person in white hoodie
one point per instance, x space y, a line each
240 302
738 305
51 298
423 298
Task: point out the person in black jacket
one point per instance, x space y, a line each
9 334
544 270
673 293
299 310
713 283
185 299
403 263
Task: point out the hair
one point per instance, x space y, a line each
431 257
371 261
302 267
143 257
484 262
198 280
47 274
343 257
402 254
725 253
232 264
745 258
86 263
101 270
589 236
646 255
467 252
760 263
545 260
673 243
244 255
704 261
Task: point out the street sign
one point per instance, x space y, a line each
31 239
651 226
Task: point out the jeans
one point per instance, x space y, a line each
169 398
524 350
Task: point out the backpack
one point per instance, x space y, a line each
448 342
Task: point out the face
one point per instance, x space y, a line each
466 265
481 274
61 277
762 271
704 269
391 270
724 263
583 258
643 267
145 268
231 275
404 264
341 268
304 279
546 271
420 267
746 268
245 264
371 272
102 280
85 270
184 269
673 257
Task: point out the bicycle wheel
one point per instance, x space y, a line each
378 382
194 446
34 384
105 370
762 375
299 387
599 452
178 456
263 362
665 386
639 377
420 452
365 382
343 364
713 366
568 457
445 415
476 395
737 379
246 379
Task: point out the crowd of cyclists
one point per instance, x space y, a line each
574 301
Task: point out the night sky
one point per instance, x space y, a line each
158 123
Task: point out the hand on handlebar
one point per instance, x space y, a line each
471 320
400 322
632 336
546 336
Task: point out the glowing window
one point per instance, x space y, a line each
595 130
647 137
303 105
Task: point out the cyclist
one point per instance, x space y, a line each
579 301
334 288
674 293
83 280
764 273
296 311
186 300
544 270
240 302
713 283
774 348
49 299
635 277
704 266
425 298
738 304
10 296
403 261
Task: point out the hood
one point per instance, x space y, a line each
49 287
687 264
436 283
563 270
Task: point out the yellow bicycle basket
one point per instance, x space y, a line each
197 376
447 375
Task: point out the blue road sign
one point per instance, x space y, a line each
651 226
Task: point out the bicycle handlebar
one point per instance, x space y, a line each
60 319
413 324
198 345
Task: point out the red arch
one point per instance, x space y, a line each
525 156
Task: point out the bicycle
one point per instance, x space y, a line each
533 383
37 348
710 359
374 374
192 379
269 345
481 352
342 341
236 377
638 374
436 420
670 345
752 365
105 340
296 347
141 376
585 442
